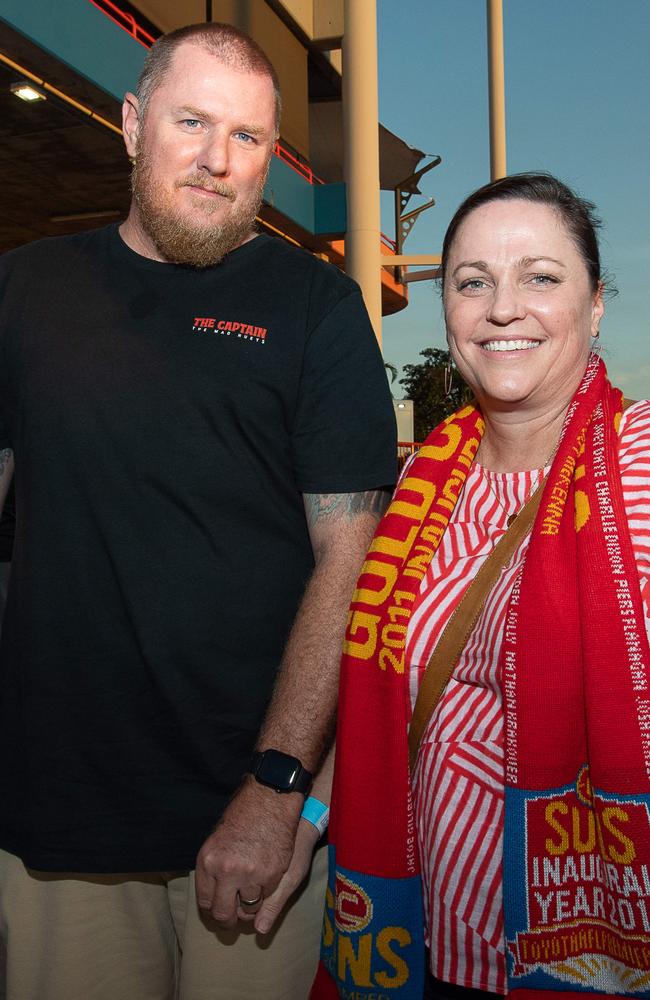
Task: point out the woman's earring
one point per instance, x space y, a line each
449 378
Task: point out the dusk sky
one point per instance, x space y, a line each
577 104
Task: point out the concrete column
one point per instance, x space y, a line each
497 89
360 116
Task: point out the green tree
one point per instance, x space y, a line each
425 384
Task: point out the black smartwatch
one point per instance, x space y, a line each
280 771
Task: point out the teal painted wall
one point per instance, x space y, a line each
330 209
79 35
318 208
290 193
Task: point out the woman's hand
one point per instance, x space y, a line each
307 837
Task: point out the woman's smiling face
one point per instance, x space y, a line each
519 306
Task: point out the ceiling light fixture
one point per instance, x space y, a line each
26 91
56 92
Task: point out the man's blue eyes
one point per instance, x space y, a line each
194 123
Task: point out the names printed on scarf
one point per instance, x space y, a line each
510 683
631 618
600 466
633 643
633 640
593 366
411 836
643 715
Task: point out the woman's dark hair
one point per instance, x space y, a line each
579 216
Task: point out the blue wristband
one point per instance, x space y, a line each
316 813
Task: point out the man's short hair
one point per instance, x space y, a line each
226 43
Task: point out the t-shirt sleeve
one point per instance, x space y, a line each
344 436
4 430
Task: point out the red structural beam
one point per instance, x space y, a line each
125 21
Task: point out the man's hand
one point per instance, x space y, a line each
248 854
252 847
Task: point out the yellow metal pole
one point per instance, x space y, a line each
361 114
497 88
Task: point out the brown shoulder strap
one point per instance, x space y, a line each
459 627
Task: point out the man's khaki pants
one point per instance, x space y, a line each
140 937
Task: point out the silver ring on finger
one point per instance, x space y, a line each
250 902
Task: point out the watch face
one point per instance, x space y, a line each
278 770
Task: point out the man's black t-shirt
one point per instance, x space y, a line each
7 526
165 422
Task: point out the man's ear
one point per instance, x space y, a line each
130 123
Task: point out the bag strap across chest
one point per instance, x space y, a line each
454 638
458 629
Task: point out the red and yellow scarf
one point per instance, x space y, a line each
575 669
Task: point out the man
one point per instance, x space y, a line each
201 431
7 526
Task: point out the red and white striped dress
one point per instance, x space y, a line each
459 778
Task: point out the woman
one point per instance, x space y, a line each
527 804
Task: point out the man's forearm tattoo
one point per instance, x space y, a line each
332 506
5 455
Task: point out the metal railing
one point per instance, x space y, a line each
292 161
404 451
